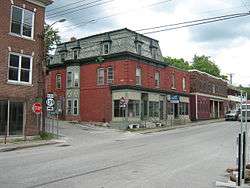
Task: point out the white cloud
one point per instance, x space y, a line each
230 53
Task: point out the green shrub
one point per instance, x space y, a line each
46 136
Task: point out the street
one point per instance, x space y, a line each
192 157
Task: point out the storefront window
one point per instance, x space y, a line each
183 108
153 109
3 117
16 118
118 112
133 108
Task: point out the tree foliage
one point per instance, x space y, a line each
51 39
179 63
201 63
204 64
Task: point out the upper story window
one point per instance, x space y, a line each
63 55
213 88
100 76
75 54
69 79
157 79
184 84
76 79
20 68
153 53
110 75
58 81
22 22
139 48
75 110
106 48
173 82
138 76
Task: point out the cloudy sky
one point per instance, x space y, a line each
226 42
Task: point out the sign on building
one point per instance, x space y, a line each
174 99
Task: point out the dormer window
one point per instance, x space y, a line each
63 55
106 48
75 54
138 48
153 53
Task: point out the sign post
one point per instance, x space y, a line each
37 109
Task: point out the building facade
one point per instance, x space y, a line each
116 75
234 98
209 98
21 56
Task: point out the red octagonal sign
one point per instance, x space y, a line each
37 108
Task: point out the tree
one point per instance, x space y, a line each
204 64
179 63
51 39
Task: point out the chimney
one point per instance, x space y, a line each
72 39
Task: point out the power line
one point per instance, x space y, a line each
195 24
94 20
66 5
192 21
77 9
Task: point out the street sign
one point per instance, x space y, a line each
50 102
37 108
123 102
174 99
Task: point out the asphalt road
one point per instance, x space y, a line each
193 157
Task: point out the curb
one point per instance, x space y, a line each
13 148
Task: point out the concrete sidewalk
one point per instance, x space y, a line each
27 144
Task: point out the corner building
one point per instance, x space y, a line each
92 75
21 57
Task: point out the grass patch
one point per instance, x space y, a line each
46 136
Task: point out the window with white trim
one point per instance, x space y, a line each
75 54
139 48
75 107
69 107
100 76
20 68
58 81
69 79
138 76
157 79
22 22
184 84
110 75
76 79
106 48
173 81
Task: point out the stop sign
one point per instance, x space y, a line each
37 108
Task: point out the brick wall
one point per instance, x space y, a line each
28 47
202 83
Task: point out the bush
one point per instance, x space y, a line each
46 136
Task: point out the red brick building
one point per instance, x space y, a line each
21 56
209 98
91 76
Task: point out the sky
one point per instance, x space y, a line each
227 42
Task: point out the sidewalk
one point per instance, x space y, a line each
27 144
191 124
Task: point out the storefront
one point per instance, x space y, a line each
148 106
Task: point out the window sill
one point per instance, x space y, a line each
173 88
22 37
19 83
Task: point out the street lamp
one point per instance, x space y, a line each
61 20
